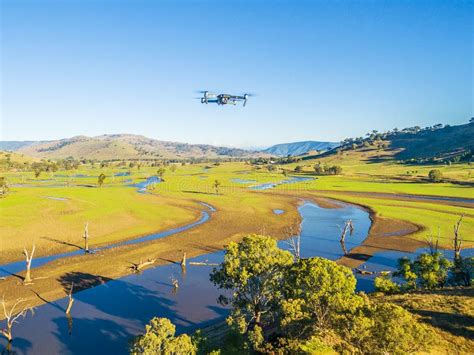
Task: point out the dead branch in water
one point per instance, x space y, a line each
71 300
197 263
12 316
348 226
367 272
138 267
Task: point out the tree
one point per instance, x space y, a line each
100 179
319 169
160 338
12 315
385 328
160 173
3 187
253 271
86 237
435 175
317 292
298 169
173 168
216 185
37 173
427 271
28 259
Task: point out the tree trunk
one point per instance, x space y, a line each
86 237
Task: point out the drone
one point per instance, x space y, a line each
223 99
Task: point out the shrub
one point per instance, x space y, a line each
435 175
160 339
385 285
384 328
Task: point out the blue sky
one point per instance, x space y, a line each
323 70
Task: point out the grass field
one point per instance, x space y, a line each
51 210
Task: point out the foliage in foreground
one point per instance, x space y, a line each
160 339
307 306
279 305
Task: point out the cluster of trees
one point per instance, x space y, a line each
325 169
283 304
431 270
428 271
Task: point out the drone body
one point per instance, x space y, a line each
223 99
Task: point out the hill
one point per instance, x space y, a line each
299 148
436 143
15 145
123 146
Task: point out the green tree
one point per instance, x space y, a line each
426 271
160 339
298 169
317 292
160 173
435 175
385 328
37 172
100 179
3 186
254 271
462 272
172 168
216 185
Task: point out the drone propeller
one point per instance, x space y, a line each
246 96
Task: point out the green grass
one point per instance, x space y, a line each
116 211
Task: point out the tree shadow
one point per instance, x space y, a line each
198 192
456 324
62 242
53 304
17 345
96 335
81 281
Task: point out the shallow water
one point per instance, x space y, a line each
242 181
291 180
108 315
18 266
278 211
388 260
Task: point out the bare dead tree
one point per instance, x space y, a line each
12 315
433 246
174 282
348 226
28 259
183 260
86 237
457 241
293 239
138 267
71 300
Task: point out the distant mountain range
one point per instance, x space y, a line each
122 146
299 148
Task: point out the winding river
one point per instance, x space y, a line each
105 317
